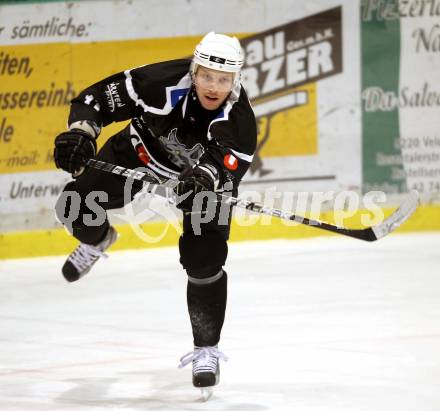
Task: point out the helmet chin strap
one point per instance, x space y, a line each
194 95
195 99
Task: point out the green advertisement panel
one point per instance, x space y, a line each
380 128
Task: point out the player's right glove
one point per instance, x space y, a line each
72 150
192 181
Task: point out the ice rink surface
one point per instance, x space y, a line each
319 324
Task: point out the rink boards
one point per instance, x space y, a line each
338 108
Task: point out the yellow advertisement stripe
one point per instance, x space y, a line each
294 131
35 97
57 242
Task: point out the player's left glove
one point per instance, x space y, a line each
194 180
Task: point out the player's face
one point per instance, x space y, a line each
212 87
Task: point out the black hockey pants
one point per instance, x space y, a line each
203 256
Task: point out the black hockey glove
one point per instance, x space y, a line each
72 150
194 180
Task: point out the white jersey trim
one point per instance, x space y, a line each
233 98
183 85
242 156
185 102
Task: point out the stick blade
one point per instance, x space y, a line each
396 219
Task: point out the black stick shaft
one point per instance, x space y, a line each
367 234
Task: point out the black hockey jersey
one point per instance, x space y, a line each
170 130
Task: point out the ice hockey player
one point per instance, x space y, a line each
190 120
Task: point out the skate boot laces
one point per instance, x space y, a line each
85 255
204 359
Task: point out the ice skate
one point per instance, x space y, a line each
82 259
206 368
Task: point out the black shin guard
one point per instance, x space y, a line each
207 306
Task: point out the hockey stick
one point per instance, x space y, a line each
156 186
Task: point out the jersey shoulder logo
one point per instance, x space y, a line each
230 162
113 98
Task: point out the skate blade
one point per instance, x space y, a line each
206 393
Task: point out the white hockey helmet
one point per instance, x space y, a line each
218 52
